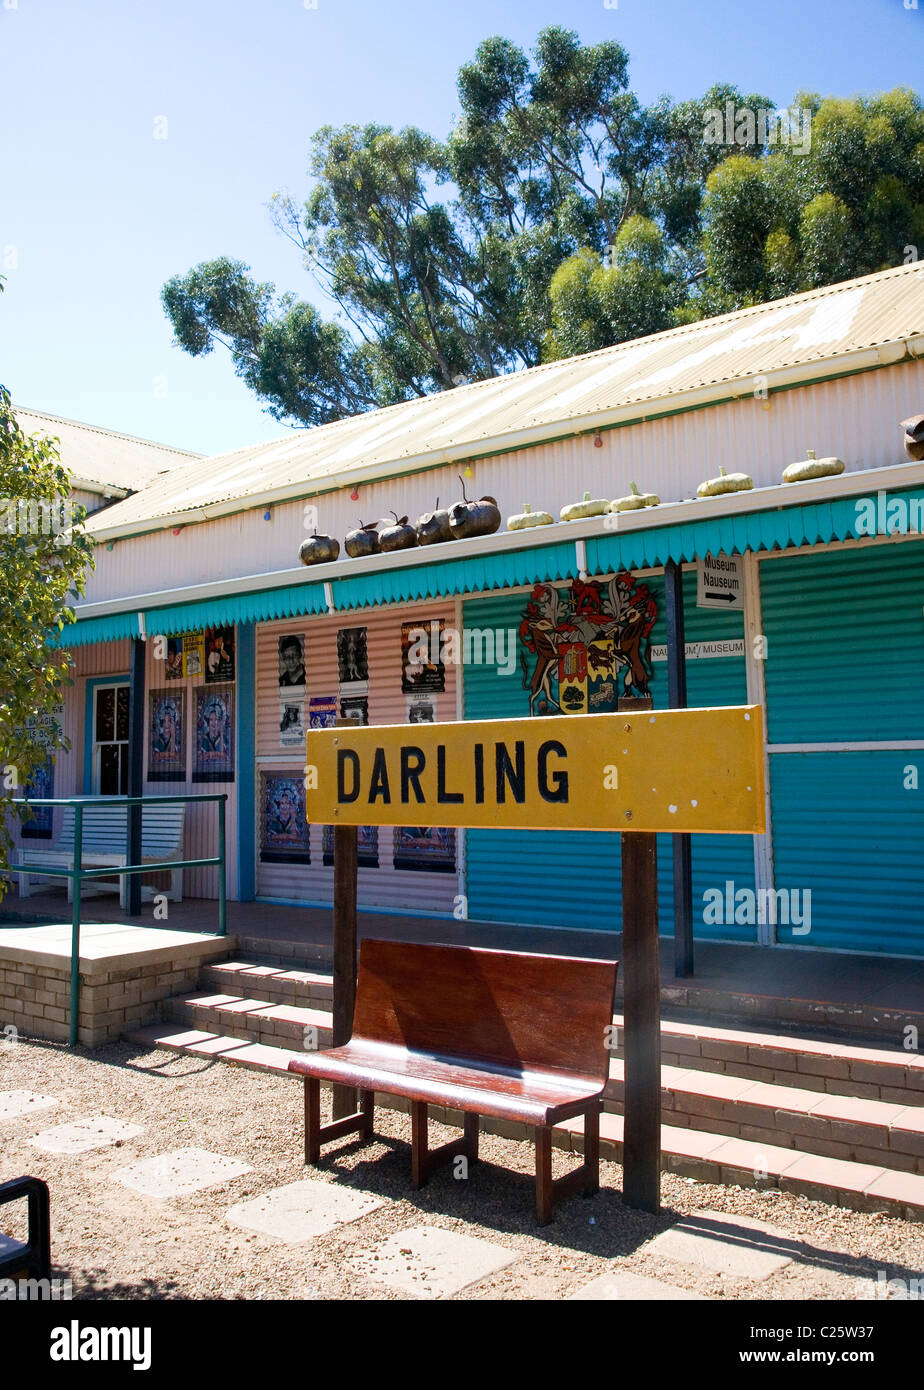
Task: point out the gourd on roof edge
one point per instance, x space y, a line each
725 482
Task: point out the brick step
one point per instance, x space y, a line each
849 1069
689 1152
834 1126
277 984
250 1020
813 1064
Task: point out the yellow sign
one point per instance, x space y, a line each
694 770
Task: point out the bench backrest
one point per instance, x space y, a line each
105 828
502 1008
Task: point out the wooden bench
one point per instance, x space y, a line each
513 1035
105 827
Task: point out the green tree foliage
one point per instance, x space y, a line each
560 215
43 561
780 221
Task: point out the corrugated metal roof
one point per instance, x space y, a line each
104 457
798 334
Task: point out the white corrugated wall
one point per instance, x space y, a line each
385 887
855 418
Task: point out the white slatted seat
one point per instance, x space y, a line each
104 833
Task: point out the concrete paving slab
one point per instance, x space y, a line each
177 1173
735 1246
624 1285
16 1103
97 1132
430 1262
302 1210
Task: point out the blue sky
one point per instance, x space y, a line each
97 213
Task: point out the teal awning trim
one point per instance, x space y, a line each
815 523
473 574
290 602
111 628
809 524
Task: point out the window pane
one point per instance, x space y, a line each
109 760
122 706
123 770
105 714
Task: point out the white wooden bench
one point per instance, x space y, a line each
105 827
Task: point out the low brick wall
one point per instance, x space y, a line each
124 990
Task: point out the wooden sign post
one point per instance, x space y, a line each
641 1011
641 771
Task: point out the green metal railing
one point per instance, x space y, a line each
77 873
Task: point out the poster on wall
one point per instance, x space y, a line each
292 720
355 707
173 667
291 660
167 736
44 730
219 653
421 709
214 760
284 833
193 654
586 645
421 656
367 846
322 712
352 656
431 849
41 783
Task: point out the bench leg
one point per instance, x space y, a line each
317 1134
586 1179
592 1151
424 1159
312 1119
470 1140
543 1174
419 1153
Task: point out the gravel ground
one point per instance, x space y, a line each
115 1243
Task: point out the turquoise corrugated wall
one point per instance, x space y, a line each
572 879
845 663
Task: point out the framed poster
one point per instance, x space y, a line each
430 849
193 654
355 707
421 709
167 736
292 720
219 653
173 669
421 656
41 783
214 750
367 846
322 712
291 660
284 833
352 655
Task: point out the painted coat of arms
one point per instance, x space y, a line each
590 643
